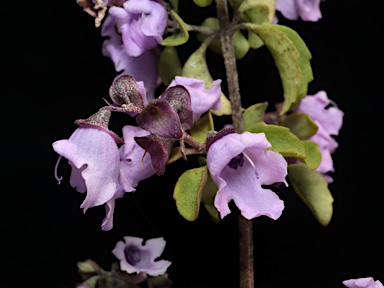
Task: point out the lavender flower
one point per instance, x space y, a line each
307 10
240 165
329 121
141 23
368 282
135 257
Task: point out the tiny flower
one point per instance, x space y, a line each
142 68
135 257
307 10
368 282
329 121
240 165
202 99
141 23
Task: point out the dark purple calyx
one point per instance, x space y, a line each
132 254
124 90
237 161
214 136
159 118
180 100
100 120
159 148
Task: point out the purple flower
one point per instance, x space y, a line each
307 10
201 99
240 165
142 68
135 164
94 158
329 121
368 282
141 23
136 257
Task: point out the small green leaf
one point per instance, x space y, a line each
304 60
175 5
235 3
254 40
201 127
257 11
196 67
301 125
203 3
188 192
208 197
179 38
254 114
240 45
312 154
88 266
282 141
91 282
169 65
176 155
313 190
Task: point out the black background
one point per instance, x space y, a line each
53 73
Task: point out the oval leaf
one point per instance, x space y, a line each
254 114
282 141
201 127
208 197
188 192
254 40
301 125
179 38
203 3
312 154
169 65
257 11
313 190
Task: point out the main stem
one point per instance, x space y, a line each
245 226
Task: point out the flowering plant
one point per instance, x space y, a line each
264 147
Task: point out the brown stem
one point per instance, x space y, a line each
193 142
245 226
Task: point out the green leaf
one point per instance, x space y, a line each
179 38
201 127
282 141
313 190
235 3
240 43
188 192
176 154
175 5
312 154
88 266
169 65
287 58
301 125
208 197
304 60
196 67
257 11
91 282
203 3
254 114
254 40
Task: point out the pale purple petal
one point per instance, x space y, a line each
243 184
136 257
110 209
367 282
153 19
133 167
95 153
307 10
76 180
288 9
202 99
331 118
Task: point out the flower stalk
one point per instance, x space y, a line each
245 226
